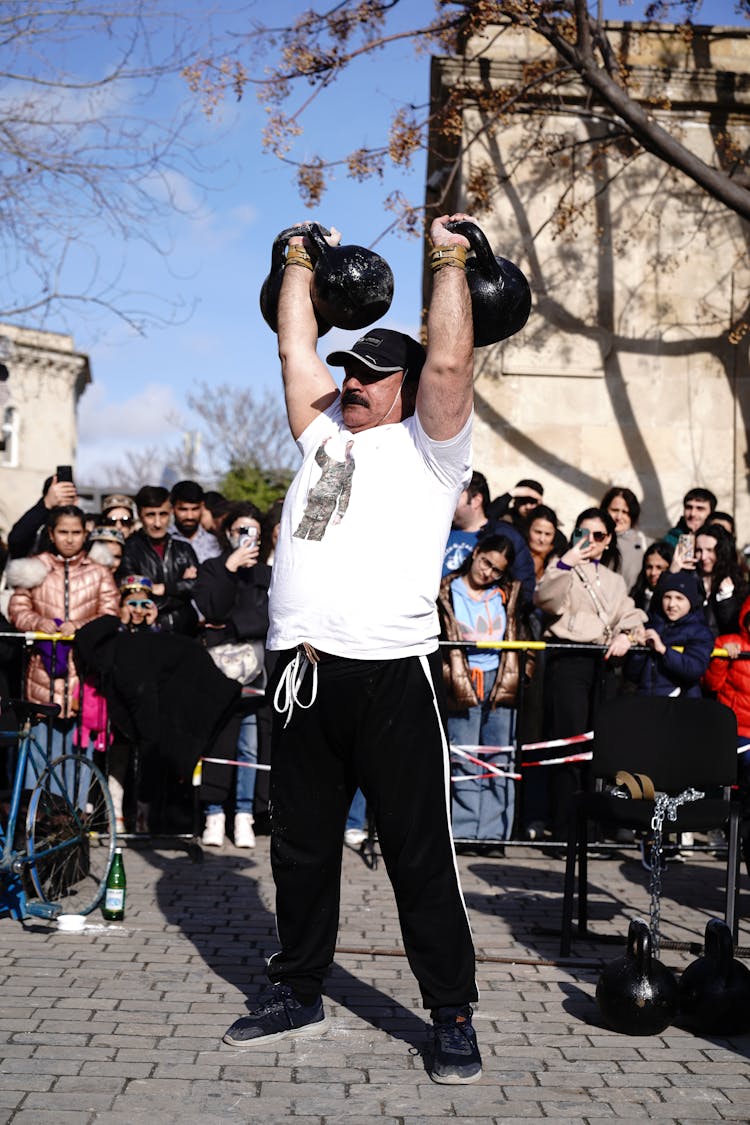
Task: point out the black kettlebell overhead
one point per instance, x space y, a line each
351 286
269 293
636 994
715 989
500 293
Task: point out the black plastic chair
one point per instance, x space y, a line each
679 744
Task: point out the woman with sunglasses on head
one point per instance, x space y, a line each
479 602
231 593
118 511
584 603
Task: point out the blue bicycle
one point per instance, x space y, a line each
59 837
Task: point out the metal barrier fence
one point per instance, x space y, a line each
523 755
517 753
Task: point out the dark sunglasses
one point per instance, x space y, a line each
526 501
110 521
140 604
599 536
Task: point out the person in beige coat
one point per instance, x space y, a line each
58 591
583 603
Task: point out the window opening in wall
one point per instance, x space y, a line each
9 438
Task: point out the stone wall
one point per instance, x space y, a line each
626 372
46 377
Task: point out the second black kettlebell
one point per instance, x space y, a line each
636 994
271 287
500 293
715 989
351 286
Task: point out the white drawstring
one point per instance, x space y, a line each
290 683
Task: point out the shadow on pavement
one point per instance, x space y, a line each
528 896
218 905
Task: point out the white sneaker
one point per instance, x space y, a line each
354 837
213 833
244 837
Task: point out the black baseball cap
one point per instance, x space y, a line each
383 352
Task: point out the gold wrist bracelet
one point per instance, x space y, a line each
298 256
443 256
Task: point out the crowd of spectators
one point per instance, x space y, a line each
597 594
181 577
174 584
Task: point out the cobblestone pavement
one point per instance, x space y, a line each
123 1022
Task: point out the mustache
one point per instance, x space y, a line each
353 398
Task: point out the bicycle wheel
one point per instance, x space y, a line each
70 834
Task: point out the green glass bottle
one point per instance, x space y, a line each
113 906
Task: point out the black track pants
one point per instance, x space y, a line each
374 724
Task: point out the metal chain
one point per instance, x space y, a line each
664 805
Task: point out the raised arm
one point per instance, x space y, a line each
308 384
446 386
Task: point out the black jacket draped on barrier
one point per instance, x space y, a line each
163 691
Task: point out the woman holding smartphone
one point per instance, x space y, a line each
714 560
231 594
584 603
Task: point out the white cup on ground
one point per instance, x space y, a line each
71 923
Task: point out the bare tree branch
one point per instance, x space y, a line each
83 159
321 45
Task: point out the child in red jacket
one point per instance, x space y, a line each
730 680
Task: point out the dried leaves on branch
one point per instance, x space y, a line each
290 67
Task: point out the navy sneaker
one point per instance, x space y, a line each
280 1016
455 1055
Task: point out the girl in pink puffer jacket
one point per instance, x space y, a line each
58 592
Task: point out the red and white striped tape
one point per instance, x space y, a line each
492 771
552 742
463 752
586 756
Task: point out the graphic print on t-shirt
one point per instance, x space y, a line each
328 499
487 622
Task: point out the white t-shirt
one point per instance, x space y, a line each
363 531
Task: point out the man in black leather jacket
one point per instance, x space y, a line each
171 564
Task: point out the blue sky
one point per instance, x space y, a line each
221 248
222 254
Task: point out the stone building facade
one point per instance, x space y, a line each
42 378
633 367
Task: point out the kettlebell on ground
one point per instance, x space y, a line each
500 293
636 994
715 989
